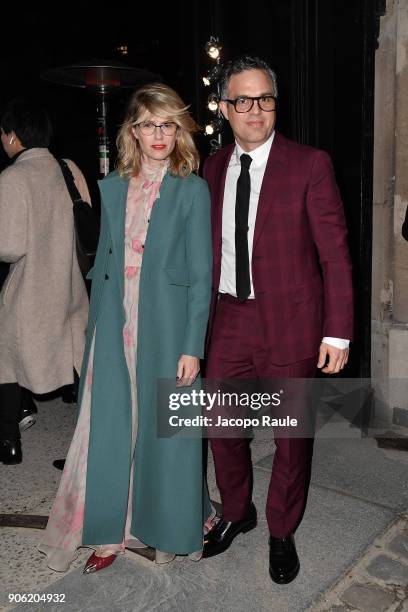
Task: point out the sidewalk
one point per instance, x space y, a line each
352 543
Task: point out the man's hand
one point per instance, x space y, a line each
187 369
337 358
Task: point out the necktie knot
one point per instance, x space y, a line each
246 160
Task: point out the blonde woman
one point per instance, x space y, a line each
123 486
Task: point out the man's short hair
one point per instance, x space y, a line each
28 121
240 64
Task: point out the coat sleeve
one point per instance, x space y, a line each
328 226
13 217
199 261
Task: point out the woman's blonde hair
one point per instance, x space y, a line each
160 100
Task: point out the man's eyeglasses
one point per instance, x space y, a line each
147 128
243 104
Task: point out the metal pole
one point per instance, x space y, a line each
219 116
102 132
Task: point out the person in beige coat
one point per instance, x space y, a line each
43 302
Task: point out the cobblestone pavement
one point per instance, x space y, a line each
378 582
352 543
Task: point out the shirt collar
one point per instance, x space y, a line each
259 155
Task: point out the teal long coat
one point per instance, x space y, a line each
170 500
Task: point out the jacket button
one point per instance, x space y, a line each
106 276
110 251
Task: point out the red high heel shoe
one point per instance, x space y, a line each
95 563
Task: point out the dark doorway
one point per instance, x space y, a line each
323 52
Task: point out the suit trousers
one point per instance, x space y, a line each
14 399
11 404
237 350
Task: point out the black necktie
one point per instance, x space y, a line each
243 284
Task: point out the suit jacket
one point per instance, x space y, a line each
301 267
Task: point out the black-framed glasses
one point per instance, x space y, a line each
147 128
243 104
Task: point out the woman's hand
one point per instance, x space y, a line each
187 369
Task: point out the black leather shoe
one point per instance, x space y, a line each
10 452
69 394
59 464
283 560
27 415
222 535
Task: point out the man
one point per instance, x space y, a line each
282 301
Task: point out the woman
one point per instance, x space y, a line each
43 302
123 487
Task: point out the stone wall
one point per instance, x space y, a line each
389 359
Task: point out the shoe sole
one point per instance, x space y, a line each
13 462
245 529
249 527
27 422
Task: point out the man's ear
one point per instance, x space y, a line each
224 109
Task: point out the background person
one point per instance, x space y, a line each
43 301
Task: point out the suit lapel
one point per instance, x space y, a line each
270 185
114 194
217 203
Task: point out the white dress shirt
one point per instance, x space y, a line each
256 171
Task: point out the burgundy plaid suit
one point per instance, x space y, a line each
303 291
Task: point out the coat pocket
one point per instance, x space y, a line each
178 276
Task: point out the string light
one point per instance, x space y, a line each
211 75
212 102
213 127
213 48
211 78
123 50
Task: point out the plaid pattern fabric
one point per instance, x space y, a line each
235 353
300 262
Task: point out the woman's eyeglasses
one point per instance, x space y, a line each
147 128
